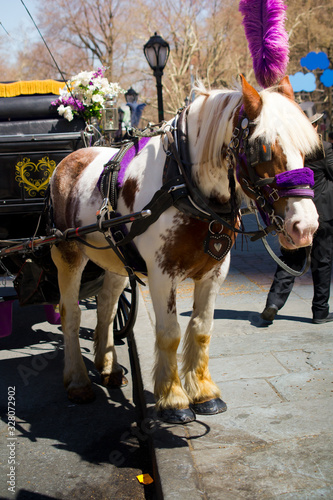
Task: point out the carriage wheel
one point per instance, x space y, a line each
126 313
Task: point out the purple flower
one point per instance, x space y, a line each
99 72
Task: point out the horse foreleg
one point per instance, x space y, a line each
203 392
105 353
172 402
70 263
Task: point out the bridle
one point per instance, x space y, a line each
243 155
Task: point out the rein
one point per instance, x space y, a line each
280 262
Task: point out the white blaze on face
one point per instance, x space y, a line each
301 223
301 217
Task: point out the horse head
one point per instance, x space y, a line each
271 139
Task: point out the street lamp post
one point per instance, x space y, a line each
156 51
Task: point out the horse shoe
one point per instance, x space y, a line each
211 407
177 416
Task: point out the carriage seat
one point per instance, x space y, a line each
34 138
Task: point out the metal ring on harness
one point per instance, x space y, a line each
210 228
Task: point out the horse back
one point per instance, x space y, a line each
74 186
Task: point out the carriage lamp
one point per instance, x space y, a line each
156 51
109 116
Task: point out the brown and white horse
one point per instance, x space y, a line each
173 246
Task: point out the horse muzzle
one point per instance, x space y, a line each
300 225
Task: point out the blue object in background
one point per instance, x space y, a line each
303 82
314 60
327 78
136 112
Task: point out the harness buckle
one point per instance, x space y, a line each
174 188
235 143
274 195
261 201
103 212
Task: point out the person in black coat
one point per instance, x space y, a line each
322 247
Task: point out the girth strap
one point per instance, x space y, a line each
108 183
163 199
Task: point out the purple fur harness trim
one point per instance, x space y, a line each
299 177
126 160
293 182
131 153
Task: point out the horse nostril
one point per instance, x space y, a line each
295 229
302 234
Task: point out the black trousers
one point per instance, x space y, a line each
321 269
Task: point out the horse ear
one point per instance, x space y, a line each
285 88
251 100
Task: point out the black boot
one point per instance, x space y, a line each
318 321
269 313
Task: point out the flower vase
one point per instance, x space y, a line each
92 130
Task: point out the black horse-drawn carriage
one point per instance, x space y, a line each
33 140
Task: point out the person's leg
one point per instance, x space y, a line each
321 268
283 283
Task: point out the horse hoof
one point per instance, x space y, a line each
210 407
114 380
81 395
177 416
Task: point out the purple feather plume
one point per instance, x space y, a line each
267 38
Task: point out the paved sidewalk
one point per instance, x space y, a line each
275 440
60 450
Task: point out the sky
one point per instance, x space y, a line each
16 21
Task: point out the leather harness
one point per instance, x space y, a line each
179 191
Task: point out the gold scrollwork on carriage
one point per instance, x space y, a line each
34 177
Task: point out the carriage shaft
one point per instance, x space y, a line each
29 244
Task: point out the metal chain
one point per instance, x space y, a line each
148 132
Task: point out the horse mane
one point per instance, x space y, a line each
283 120
214 133
280 119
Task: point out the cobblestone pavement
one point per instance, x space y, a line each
275 441
61 450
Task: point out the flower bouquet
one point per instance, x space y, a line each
85 94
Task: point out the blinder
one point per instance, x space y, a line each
257 151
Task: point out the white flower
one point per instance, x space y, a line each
83 78
116 89
61 109
104 84
98 98
68 114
